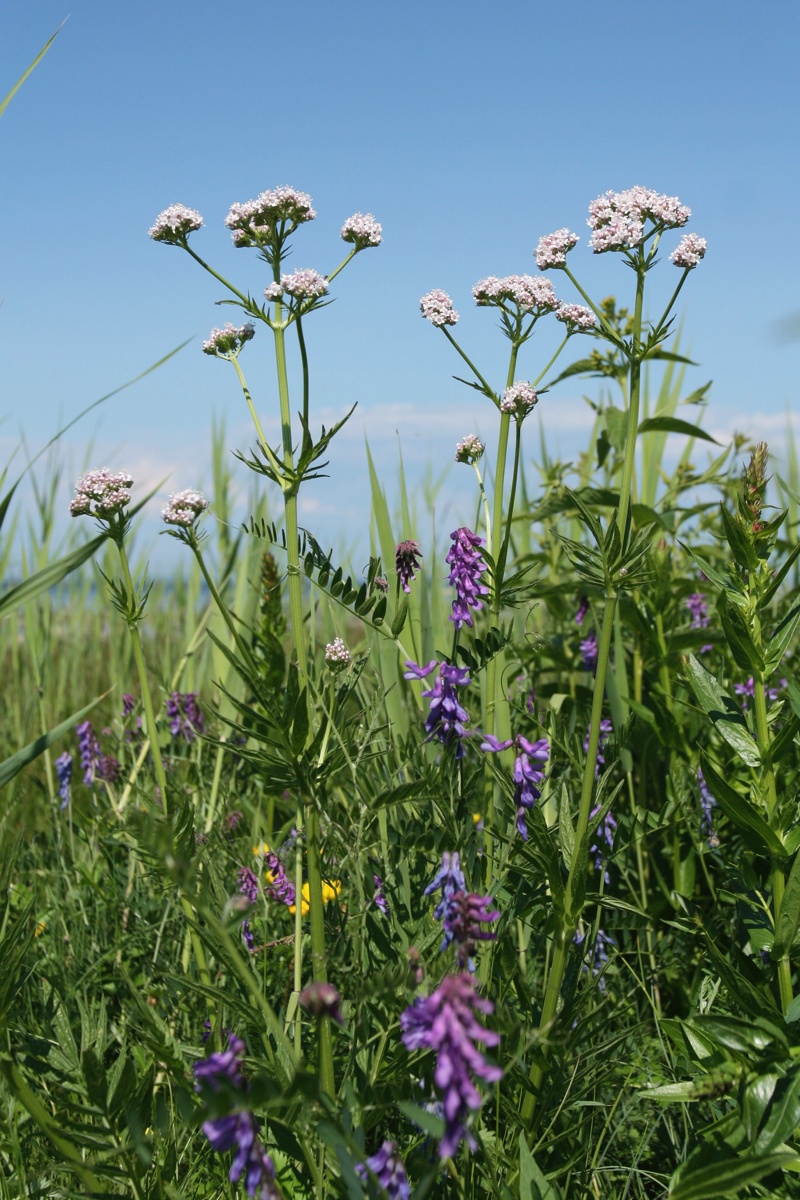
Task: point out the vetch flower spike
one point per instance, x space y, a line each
389 1170
446 1023
406 560
447 719
466 567
528 773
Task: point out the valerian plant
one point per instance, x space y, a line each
457 877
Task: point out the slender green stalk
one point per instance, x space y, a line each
147 699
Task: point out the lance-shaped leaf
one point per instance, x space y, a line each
675 425
741 811
724 712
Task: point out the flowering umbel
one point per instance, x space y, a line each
101 493
553 248
470 449
270 218
226 342
437 307
362 230
174 224
184 508
446 1022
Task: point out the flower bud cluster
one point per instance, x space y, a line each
229 339
305 284
337 656
437 307
576 317
101 493
470 449
184 508
174 224
553 248
256 221
362 230
529 292
617 219
689 250
519 399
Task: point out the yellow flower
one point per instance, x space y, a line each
39 930
477 818
330 890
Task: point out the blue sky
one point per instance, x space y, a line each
467 129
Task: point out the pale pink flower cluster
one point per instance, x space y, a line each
305 284
470 449
229 339
101 493
437 307
336 654
519 399
253 221
617 218
577 316
689 250
528 292
184 507
274 291
552 249
363 230
175 223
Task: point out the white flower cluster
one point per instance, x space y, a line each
253 222
101 493
174 224
437 307
519 399
470 449
184 508
229 339
363 230
530 293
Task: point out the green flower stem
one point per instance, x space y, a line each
244 299
265 446
147 700
290 503
501 566
319 970
223 610
343 264
487 390
486 517
777 875
298 929
566 926
301 341
547 367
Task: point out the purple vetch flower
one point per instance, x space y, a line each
389 1170
174 224
279 885
583 608
450 879
128 704
470 449
238 1130
577 317
378 897
322 1000
305 284
227 341
362 230
248 884
588 648
337 656
749 688
689 250
466 567
101 493
381 583
553 248
248 937
206 1034
446 1023
464 915
519 399
698 610
89 750
708 803
528 771
437 307
64 775
406 562
447 719
231 820
606 729
529 293
604 834
185 715
599 954
184 508
108 768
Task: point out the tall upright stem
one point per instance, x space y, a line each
568 924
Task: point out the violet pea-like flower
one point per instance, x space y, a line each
447 719
528 774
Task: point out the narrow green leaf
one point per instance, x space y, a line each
783 1115
49 576
728 1176
789 919
741 811
532 1183
675 425
4 103
724 712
